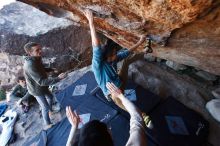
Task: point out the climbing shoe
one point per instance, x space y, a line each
147 120
148 46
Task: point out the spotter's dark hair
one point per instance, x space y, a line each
95 133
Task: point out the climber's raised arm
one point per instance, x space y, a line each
89 15
137 127
141 40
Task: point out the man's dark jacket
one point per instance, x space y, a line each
36 76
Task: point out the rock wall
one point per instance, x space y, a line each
66 41
21 23
184 31
196 44
10 67
64 44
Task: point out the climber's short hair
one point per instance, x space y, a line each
20 78
110 47
29 45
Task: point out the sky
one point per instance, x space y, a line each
5 2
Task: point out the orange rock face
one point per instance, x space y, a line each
191 27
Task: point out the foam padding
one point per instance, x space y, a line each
176 125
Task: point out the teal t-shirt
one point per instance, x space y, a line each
104 72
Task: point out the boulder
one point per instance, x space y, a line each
213 107
216 93
158 60
166 82
21 23
206 76
10 68
186 32
175 66
149 57
64 44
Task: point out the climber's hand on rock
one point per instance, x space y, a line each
142 38
89 15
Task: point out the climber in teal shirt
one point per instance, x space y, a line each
105 58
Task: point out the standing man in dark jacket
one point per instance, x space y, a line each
38 81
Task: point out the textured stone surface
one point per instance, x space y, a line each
166 82
20 23
213 107
64 44
196 44
175 66
149 57
10 67
216 93
126 16
206 76
192 26
20 18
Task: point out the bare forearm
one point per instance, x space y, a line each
136 45
71 136
129 106
95 41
